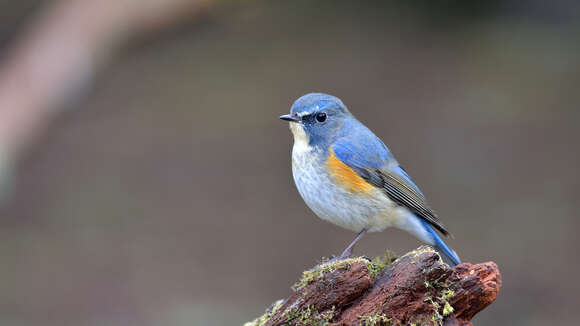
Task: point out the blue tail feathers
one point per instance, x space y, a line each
441 245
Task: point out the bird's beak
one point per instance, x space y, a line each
290 117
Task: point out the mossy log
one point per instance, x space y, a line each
415 289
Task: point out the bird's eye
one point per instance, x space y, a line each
321 117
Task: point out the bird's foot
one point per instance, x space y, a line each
345 254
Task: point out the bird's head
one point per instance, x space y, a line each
316 119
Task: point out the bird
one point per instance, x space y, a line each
347 176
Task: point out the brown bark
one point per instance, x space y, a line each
418 288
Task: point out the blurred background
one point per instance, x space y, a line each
156 188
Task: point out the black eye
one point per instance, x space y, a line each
321 117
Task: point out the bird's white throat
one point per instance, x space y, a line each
301 139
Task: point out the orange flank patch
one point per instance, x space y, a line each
345 176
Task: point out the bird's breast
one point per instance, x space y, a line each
331 189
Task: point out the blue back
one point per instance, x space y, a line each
358 146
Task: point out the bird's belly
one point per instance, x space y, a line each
373 211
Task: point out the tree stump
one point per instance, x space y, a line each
415 289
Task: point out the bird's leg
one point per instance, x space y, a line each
348 251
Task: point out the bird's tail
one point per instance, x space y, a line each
438 242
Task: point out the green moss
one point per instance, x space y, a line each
447 309
269 313
375 267
447 294
379 264
375 320
416 254
438 292
436 317
309 316
440 304
315 273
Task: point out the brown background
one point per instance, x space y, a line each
165 197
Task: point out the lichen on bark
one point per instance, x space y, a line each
416 289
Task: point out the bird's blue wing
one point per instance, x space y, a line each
372 160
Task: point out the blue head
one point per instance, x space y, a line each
317 119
